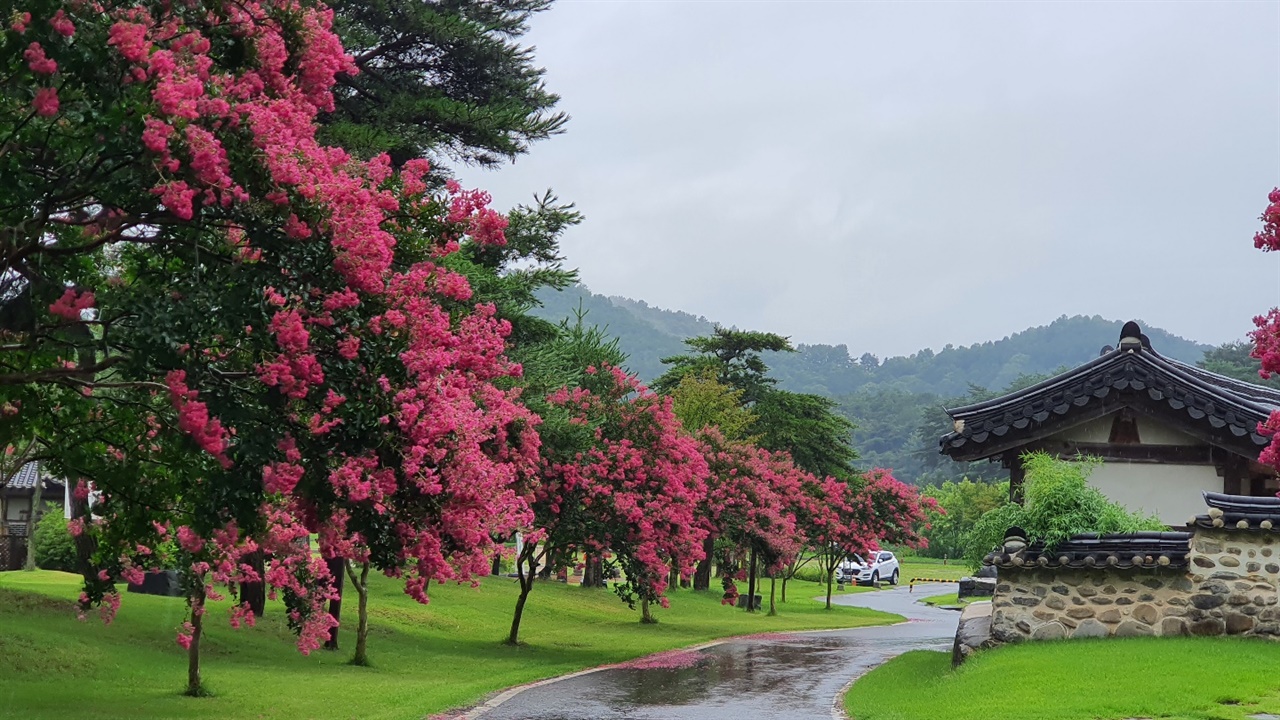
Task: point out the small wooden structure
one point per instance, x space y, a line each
1167 431
16 511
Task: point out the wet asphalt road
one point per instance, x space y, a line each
792 677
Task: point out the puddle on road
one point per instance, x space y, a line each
730 671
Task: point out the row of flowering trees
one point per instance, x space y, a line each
260 357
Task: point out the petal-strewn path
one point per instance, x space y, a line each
789 677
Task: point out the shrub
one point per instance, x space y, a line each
1058 503
55 548
811 573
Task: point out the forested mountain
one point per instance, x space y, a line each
897 403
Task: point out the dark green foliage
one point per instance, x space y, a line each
735 357
809 427
563 361
962 504
442 79
637 331
55 548
1059 503
1233 360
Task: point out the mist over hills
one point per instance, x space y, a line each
897 403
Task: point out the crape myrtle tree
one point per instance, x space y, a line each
861 514
1266 338
622 478
245 336
749 508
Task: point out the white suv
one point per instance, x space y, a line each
880 566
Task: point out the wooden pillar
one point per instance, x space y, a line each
1016 475
1258 486
1233 477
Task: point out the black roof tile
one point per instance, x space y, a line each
1217 409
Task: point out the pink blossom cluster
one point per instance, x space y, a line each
194 419
635 491
751 498
72 304
1266 338
1268 238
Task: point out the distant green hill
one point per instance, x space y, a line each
648 334
891 399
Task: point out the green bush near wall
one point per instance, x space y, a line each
55 548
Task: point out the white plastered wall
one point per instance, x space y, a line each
1150 431
1171 492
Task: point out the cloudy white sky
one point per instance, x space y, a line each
907 175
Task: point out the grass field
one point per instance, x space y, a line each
426 659
931 568
944 599
1176 678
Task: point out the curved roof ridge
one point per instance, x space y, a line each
1060 378
1239 386
1219 386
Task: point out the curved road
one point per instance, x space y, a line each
789 677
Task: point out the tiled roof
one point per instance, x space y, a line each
1216 409
1122 551
1239 513
26 477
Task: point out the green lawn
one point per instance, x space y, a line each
426 659
1179 678
944 599
919 567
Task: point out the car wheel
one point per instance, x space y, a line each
875 578
894 580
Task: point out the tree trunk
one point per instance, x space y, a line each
496 569
784 588
526 573
751 581
830 575
37 497
593 571
361 585
86 544
673 578
545 572
336 571
773 584
194 686
255 593
702 576
647 617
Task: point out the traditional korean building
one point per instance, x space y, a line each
1165 430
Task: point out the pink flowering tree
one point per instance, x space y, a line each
751 508
625 480
860 515
240 336
1266 337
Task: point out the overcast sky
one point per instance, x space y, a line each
907 175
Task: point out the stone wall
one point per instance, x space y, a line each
1228 587
1078 602
1235 577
